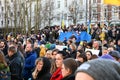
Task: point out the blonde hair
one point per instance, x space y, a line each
49 51
38 60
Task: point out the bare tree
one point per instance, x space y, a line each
5 18
74 10
37 15
47 11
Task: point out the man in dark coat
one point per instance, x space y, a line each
15 63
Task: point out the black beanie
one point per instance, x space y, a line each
101 69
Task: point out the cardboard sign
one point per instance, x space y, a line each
96 52
59 47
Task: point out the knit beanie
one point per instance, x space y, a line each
101 69
115 54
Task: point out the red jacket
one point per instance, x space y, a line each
57 75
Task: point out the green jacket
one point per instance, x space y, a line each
4 72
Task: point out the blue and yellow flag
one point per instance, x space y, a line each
112 2
89 27
62 23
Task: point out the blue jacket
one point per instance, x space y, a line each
29 64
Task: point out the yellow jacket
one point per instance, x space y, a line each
42 51
102 36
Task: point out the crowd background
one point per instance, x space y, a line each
35 56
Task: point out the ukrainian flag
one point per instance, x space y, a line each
62 24
89 27
112 2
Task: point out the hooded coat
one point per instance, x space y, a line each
44 74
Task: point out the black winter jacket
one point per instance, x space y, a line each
15 64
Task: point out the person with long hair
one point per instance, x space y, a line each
4 68
69 67
57 75
42 69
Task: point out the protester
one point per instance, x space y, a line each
20 48
54 53
4 68
37 48
89 55
42 50
111 48
99 69
73 51
94 56
15 63
42 69
81 57
57 75
80 48
30 58
49 54
53 66
69 67
4 47
115 54
96 46
104 50
118 46
69 42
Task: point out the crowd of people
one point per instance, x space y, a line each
36 57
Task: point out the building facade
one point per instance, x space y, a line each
83 12
36 14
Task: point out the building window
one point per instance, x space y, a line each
65 3
11 14
94 1
58 17
65 16
2 22
81 15
8 21
2 8
8 7
116 9
52 6
95 14
58 4
0 3
105 14
18 13
81 2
